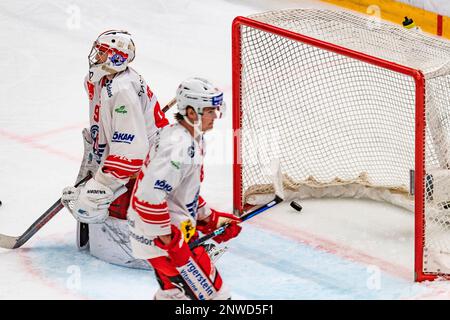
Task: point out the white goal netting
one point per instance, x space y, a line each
344 124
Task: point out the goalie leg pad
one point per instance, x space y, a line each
110 242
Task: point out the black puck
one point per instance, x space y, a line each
296 206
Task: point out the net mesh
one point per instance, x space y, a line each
339 126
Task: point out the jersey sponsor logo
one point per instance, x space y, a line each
193 206
157 140
121 109
187 229
142 89
96 191
98 152
197 280
176 164
94 132
122 137
191 151
138 238
163 185
141 239
108 85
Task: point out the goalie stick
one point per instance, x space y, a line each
10 242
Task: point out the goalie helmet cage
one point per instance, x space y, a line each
351 107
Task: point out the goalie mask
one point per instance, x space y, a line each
199 93
110 53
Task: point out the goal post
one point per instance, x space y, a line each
351 107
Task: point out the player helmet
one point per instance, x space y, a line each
199 93
110 53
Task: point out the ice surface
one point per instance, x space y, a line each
331 250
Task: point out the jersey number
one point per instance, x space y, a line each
97 113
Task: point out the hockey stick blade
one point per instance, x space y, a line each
9 242
245 217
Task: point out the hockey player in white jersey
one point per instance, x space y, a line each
124 116
166 208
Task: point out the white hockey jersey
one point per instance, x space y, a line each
167 191
124 117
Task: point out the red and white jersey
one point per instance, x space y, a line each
167 190
124 117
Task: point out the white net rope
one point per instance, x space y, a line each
342 127
366 34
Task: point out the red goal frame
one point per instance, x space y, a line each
419 120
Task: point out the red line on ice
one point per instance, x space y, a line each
332 247
54 131
33 144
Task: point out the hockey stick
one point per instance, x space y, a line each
279 197
169 105
9 242
245 217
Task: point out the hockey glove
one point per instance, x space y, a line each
93 202
178 250
69 196
217 219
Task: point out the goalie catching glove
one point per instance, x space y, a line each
90 202
216 220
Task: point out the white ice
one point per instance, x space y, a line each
331 250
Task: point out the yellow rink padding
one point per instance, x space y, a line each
446 27
396 12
